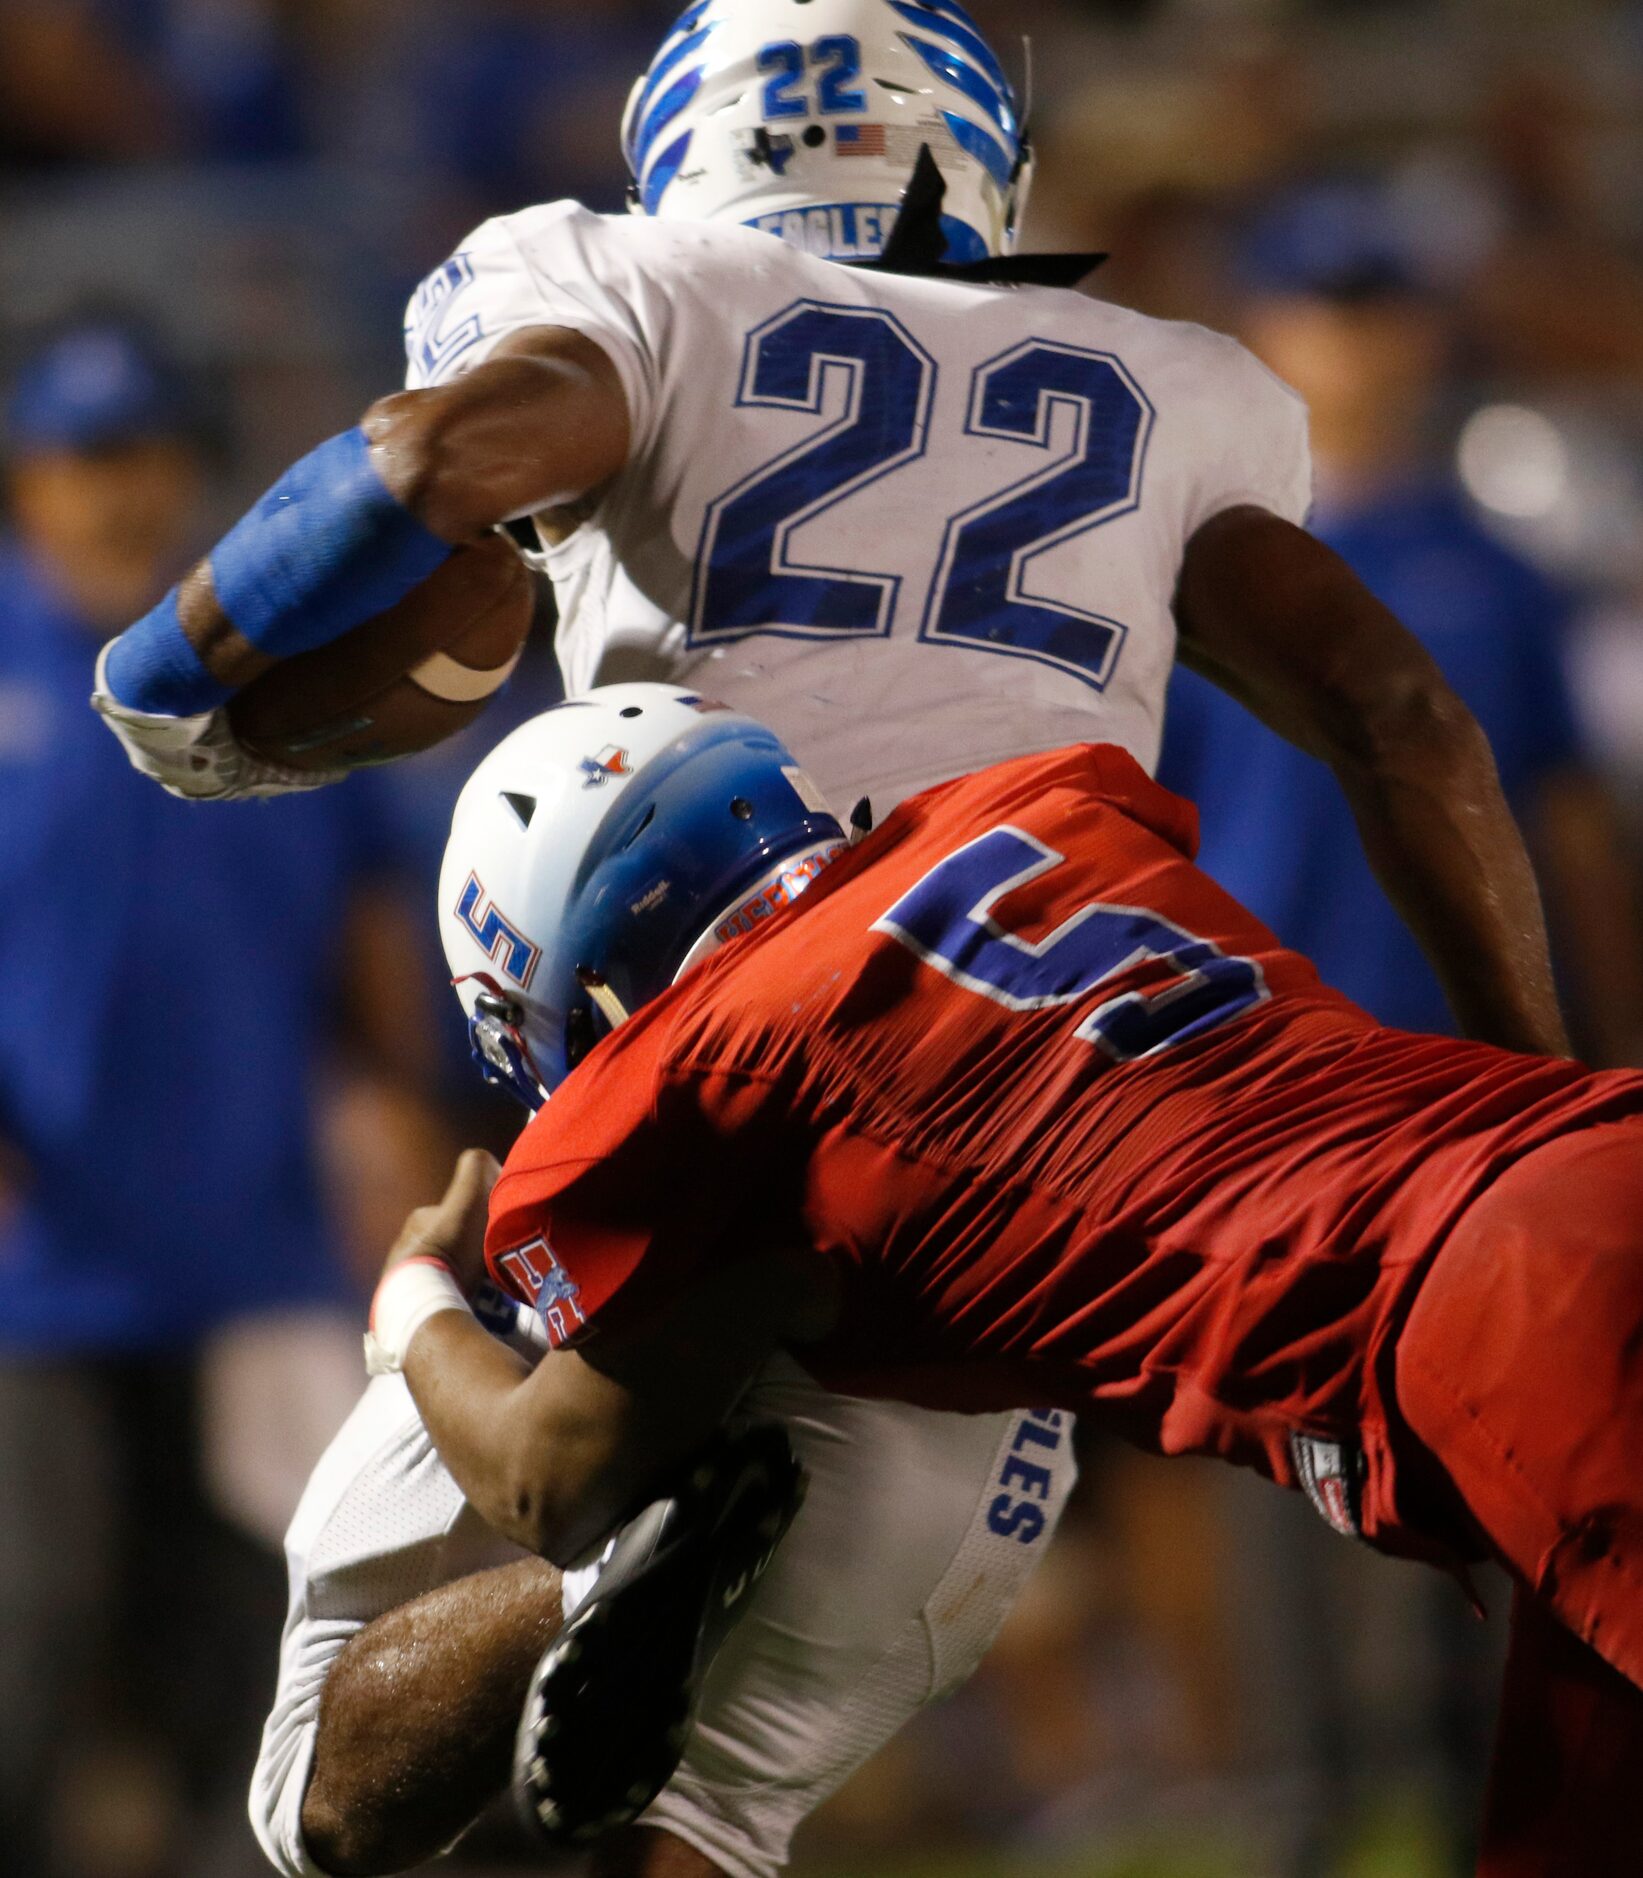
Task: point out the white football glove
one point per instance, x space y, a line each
196 757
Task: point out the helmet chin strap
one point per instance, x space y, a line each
1027 99
611 1007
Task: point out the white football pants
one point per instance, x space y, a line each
916 1537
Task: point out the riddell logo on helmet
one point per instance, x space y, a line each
782 891
648 902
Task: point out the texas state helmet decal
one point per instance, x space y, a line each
613 760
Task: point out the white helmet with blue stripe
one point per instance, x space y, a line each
601 850
805 117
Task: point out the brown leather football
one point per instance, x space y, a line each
403 680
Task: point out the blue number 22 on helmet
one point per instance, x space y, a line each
805 117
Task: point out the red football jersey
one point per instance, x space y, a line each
1074 1128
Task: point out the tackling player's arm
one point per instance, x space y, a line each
348 532
557 1456
1280 622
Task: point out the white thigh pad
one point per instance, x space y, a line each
917 1536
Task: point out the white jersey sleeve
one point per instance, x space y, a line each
535 269
1253 444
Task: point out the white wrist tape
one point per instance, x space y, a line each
411 1293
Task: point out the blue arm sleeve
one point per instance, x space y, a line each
327 548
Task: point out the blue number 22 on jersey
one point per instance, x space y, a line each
947 920
748 578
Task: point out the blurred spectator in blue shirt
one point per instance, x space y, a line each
172 982
1335 308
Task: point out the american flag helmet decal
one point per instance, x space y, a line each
860 139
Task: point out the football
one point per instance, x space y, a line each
402 681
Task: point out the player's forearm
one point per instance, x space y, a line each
556 1457
355 525
330 545
540 1464
417 1720
1443 844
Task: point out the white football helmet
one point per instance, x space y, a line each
804 118
601 850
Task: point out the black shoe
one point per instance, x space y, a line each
611 1702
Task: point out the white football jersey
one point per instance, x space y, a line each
915 525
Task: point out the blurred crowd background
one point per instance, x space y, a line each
227 1065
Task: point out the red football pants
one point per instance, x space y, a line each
1521 1370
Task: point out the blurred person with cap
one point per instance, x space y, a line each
106 470
162 1246
1335 304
